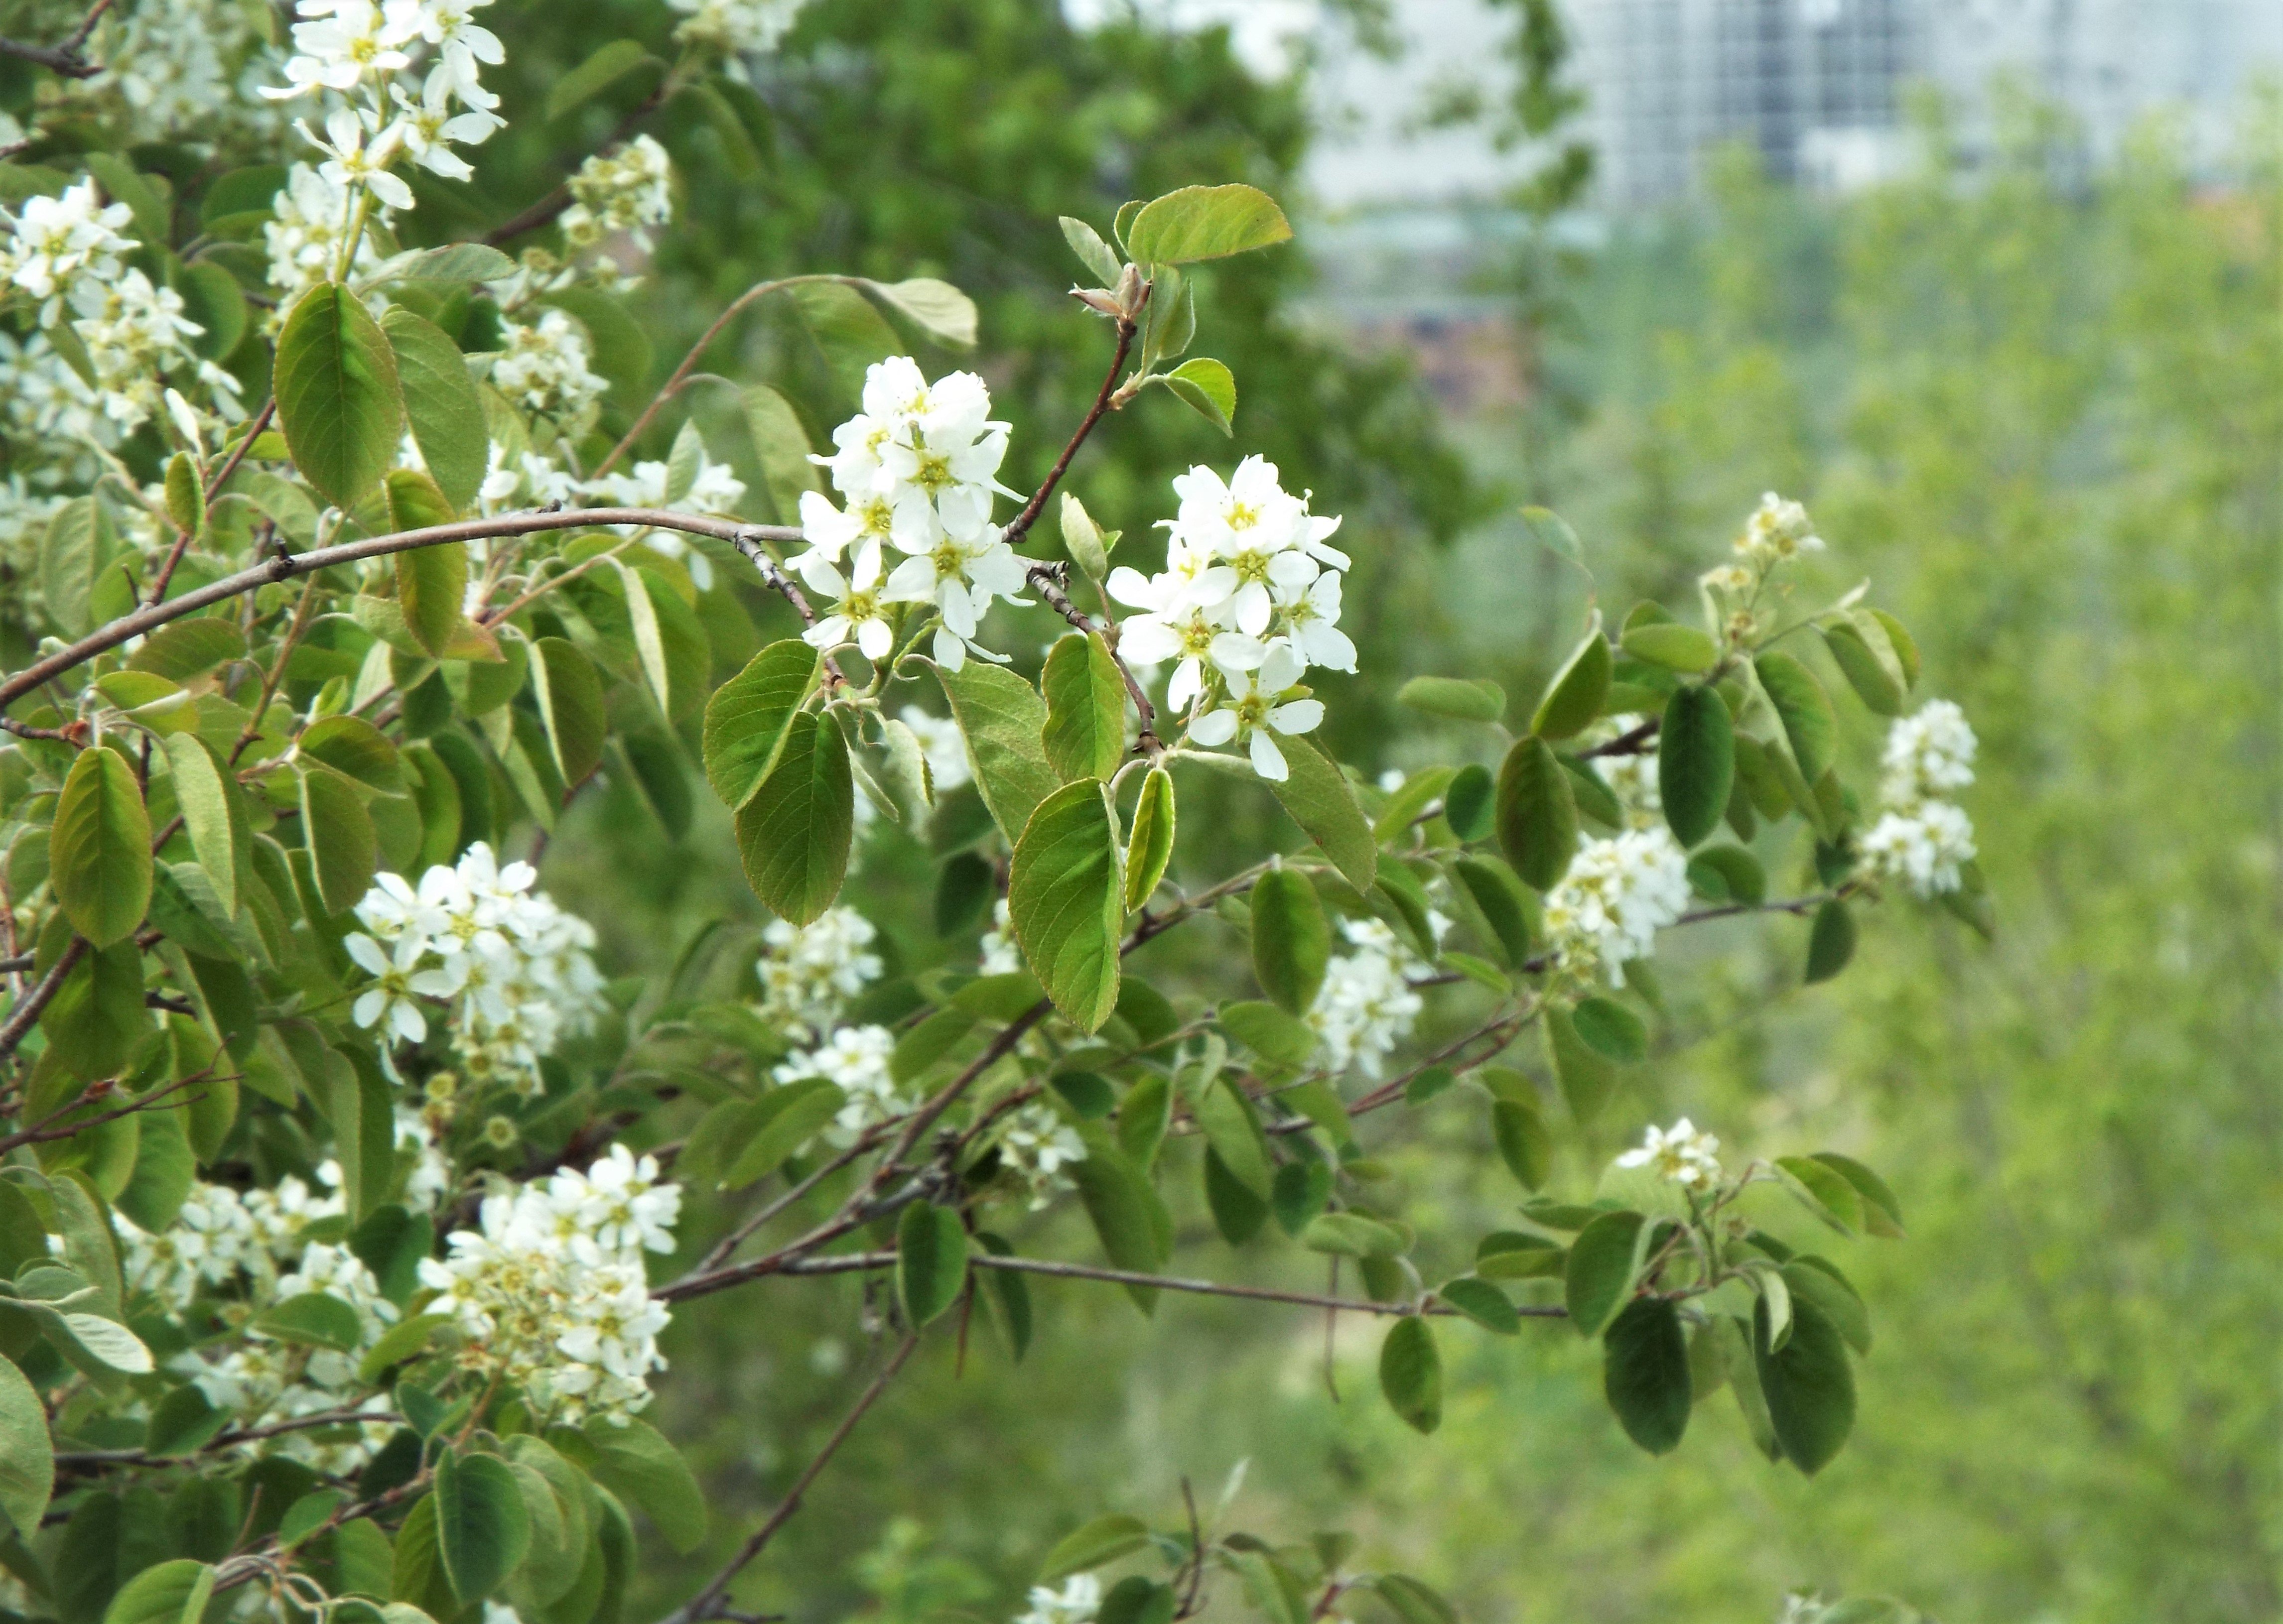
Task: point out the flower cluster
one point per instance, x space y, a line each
544 369
1777 532
1078 1602
809 972
363 51
1035 1145
917 468
549 1292
52 242
1618 893
1680 1153
171 64
511 967
309 226
735 26
626 191
1249 599
1368 1004
855 1059
710 487
1923 837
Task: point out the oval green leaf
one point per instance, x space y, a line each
1695 763
793 833
1411 1372
1149 845
1291 939
1536 813
339 400
100 849
1573 699
1644 1374
748 717
1600 1277
1065 898
1084 734
1205 223
930 1261
483 1528
1810 725
445 411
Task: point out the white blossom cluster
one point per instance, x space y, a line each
1777 532
854 1059
1682 1153
1249 599
1002 954
1035 1145
809 972
549 1291
626 191
545 369
52 242
173 63
306 234
735 26
1617 894
1078 1602
712 488
1367 1005
512 969
1922 837
918 469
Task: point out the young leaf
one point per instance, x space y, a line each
1238 1213
1874 673
1508 909
1883 1213
749 716
1728 874
172 1592
1695 763
1084 734
1574 697
1122 1208
1536 813
1411 1372
1810 725
1585 1076
100 849
793 833
445 409
780 448
938 309
312 1320
1465 700
338 398
1808 1383
482 1526
1291 940
1095 1544
1092 251
432 582
344 850
1234 1132
1483 1303
631 1459
1830 941
1523 1142
1468 801
1002 717
356 750
186 496
1672 645
1611 1030
1644 1374
188 648
28 1459
1204 222
930 1261
1150 844
1600 1277
1207 388
1316 797
453 262
1065 899
571 707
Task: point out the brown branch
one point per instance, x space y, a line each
548 207
1022 522
707 1602
96 1459
183 538
26 1012
67 58
1630 742
746 537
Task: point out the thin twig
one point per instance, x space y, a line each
1022 522
69 58
1630 742
21 1019
707 1602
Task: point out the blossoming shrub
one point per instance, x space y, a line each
340 1184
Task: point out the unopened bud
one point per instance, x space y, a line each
1098 301
1132 292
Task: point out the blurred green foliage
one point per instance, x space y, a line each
2049 424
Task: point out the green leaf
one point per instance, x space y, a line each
339 400
1149 845
668 639
930 1261
1275 1037
1204 222
185 496
631 1459
1095 1545
1823 1191
1413 1602
846 327
1065 899
1462 699
1291 939
1830 941
1728 874
1695 763
164 1170
1316 797
1483 1303
1644 1374
1810 725
1573 699
1092 251
1469 801
1586 1078
794 834
1136 1600
77 536
1234 1132
1871 670
356 750
214 814
1507 908
344 850
313 1319
1084 734
1207 388
1411 1374
364 1132
28 1459
604 68
483 1528
1611 1030
1599 1279
1121 1206
749 716
1808 1383
188 648
99 848
1898 638
1816 1281
780 448
1883 1213
938 309
171 1593
96 1016
1002 719
1523 1142
1536 813
1672 645
432 582
454 262
443 405
1350 1234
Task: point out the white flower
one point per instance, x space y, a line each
1631 779
545 367
736 25
348 41
428 129
857 614
1928 755
1367 1005
55 239
628 191
1616 895
1078 1602
1035 1145
855 1059
809 972
391 1002
1921 846
1778 529
1681 1153
960 578
309 218
1258 709
1000 954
